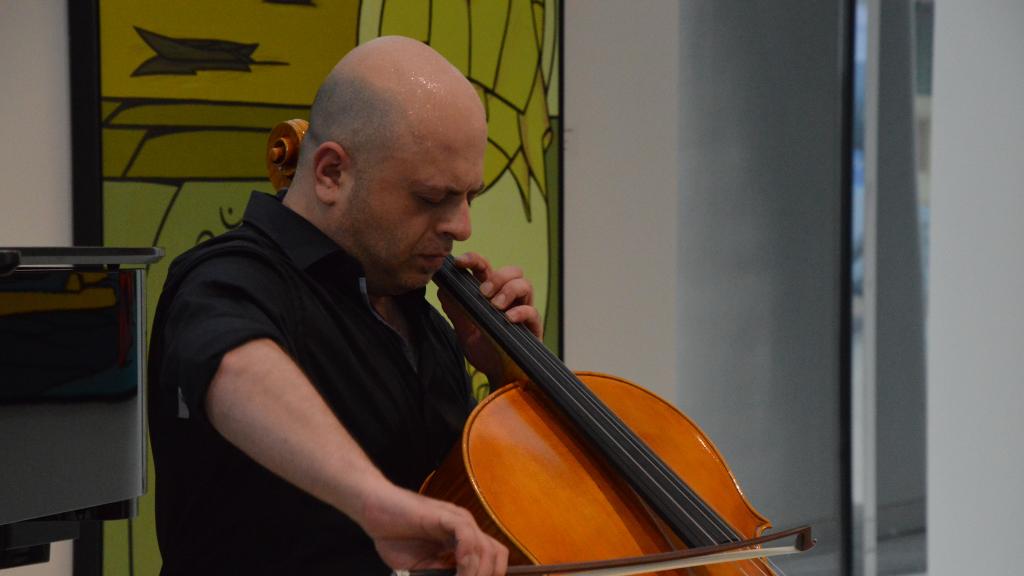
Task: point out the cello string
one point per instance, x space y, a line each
485 312
661 467
719 524
723 527
558 367
686 493
517 335
502 327
613 426
500 323
470 292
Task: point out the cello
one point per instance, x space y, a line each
565 467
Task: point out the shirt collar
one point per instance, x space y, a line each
301 241
308 247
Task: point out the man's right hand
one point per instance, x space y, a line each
412 531
262 402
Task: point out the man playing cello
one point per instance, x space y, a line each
301 387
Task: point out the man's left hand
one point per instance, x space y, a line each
508 291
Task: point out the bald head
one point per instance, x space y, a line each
394 154
386 93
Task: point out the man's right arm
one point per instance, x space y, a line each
263 403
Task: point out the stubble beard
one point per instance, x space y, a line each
370 245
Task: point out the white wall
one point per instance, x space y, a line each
976 317
35 154
621 189
35 150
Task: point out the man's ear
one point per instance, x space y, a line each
332 173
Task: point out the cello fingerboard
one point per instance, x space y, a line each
689 517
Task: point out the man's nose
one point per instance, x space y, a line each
457 224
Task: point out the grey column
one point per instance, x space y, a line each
894 299
760 237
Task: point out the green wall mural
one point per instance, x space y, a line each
190 89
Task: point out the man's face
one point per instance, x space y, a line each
410 204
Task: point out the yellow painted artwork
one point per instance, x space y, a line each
191 88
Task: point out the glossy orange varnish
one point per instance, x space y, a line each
530 481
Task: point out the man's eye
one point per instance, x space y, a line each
432 200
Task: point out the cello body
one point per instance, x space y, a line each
530 481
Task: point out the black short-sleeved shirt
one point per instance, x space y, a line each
278 277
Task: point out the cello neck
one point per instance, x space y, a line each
692 520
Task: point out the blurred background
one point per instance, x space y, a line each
799 221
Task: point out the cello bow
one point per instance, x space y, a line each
690 557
